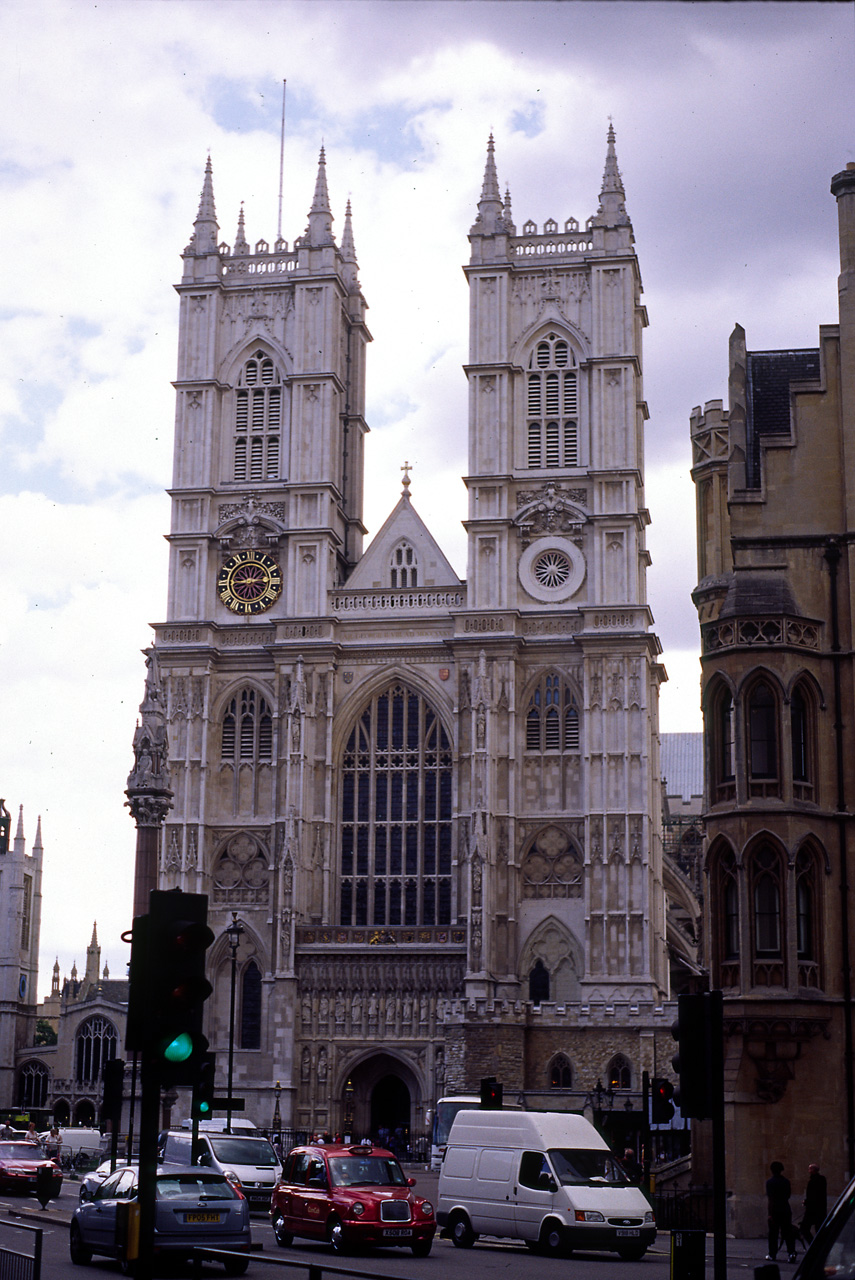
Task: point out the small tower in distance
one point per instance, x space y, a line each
20 923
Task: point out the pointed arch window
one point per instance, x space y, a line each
396 809
250 1007
762 728
560 1072
552 396
767 908
33 1086
95 1044
259 420
538 983
404 566
725 915
802 742
247 728
721 747
552 717
619 1074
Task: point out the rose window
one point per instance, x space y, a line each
552 569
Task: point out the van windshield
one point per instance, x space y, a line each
257 1151
582 1168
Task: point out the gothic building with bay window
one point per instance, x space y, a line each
775 598
433 805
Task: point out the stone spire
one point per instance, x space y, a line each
54 982
19 832
490 207
148 791
206 228
348 249
320 215
241 245
612 209
93 959
507 214
37 843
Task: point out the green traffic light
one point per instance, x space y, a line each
179 1049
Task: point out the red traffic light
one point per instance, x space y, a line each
661 1104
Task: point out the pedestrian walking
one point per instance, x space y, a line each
815 1202
780 1214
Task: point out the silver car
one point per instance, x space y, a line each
193 1207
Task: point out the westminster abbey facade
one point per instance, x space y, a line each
433 805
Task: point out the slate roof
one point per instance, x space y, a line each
682 764
769 376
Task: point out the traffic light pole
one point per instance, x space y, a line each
718 1152
149 1124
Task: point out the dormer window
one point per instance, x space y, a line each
404 566
258 420
552 418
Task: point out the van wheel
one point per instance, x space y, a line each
460 1230
553 1240
283 1238
632 1252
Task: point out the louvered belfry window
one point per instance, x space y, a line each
396 809
258 420
552 717
247 728
552 397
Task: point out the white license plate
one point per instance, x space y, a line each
627 1231
399 1233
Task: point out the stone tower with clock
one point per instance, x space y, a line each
432 805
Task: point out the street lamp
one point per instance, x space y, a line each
277 1119
233 933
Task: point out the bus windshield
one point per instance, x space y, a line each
446 1110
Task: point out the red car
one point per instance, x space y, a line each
350 1196
19 1166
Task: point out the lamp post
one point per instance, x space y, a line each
277 1118
233 934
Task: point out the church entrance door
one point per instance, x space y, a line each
382 1095
390 1113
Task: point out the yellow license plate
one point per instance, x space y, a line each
202 1217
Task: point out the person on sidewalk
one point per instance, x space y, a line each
780 1214
815 1202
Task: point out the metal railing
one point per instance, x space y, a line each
313 1269
16 1264
684 1210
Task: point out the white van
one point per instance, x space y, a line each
250 1162
544 1177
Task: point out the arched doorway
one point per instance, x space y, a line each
62 1113
381 1092
84 1113
390 1112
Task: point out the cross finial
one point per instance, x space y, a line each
406 479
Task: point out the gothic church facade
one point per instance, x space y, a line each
432 804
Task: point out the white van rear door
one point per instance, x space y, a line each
534 1196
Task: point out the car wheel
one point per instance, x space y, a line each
460 1230
553 1240
421 1248
80 1255
632 1252
283 1237
236 1266
335 1235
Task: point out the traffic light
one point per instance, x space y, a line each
202 1106
174 983
698 1060
113 1077
661 1105
491 1094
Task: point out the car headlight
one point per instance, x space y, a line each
357 1209
649 1216
589 1215
427 1208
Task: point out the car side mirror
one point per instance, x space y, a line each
411 1182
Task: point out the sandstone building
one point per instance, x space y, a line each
775 598
433 805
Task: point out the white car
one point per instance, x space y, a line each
92 1180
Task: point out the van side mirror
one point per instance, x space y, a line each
546 1182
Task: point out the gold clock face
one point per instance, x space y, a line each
249 582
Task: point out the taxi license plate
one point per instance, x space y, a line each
627 1231
202 1217
400 1233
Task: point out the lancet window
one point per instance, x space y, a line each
258 420
250 1007
552 399
560 1072
619 1074
552 718
247 728
395 853
404 566
96 1044
33 1086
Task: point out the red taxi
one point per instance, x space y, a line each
350 1196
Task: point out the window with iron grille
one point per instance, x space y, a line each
247 728
396 808
552 427
552 718
258 420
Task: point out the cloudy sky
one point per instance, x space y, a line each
730 121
